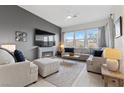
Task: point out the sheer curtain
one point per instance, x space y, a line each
101 37
62 38
110 33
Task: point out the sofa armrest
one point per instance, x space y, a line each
16 74
99 59
96 59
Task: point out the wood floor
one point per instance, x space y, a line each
84 79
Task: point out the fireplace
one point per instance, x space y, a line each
46 51
47 54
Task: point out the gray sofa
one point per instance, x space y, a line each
94 64
79 54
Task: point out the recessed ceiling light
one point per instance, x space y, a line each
69 17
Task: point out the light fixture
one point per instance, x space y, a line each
61 46
10 47
71 16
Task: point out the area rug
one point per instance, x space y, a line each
67 74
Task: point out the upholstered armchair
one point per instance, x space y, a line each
14 74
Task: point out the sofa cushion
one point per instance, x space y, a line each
33 68
19 56
6 57
82 50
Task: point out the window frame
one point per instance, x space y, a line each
85 38
68 39
92 39
79 39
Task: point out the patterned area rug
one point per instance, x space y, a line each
67 74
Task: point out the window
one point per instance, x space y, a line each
81 39
92 38
69 39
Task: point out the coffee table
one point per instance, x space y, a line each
71 57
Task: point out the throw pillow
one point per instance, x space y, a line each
98 53
19 56
6 57
69 50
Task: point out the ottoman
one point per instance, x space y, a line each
47 66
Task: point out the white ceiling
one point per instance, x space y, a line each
57 14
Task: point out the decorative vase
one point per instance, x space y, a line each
71 54
112 65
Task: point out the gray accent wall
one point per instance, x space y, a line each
13 18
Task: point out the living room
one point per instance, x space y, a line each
57 45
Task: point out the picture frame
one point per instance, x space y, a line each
24 36
118 27
20 36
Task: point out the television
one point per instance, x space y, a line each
44 38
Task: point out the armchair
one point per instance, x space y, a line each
14 74
18 74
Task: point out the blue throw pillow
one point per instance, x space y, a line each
71 50
19 56
98 53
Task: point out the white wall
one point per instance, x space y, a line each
84 26
119 42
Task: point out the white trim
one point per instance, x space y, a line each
86 26
85 38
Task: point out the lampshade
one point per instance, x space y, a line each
112 53
62 46
10 47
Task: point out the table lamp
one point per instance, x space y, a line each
61 47
113 57
10 47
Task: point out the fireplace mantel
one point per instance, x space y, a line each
45 49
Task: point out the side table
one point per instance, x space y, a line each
107 74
